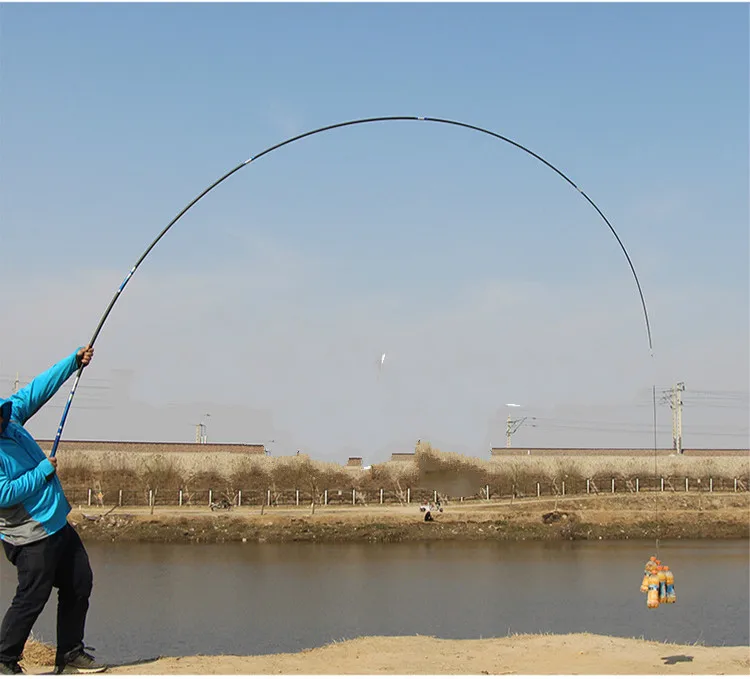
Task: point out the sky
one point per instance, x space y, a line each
483 276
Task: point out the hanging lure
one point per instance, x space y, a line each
652 598
646 572
658 583
671 594
662 584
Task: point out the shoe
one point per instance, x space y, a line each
79 662
10 668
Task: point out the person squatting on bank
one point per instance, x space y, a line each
38 540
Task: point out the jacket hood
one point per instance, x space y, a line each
5 408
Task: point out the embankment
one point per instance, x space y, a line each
615 517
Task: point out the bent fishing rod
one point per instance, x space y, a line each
328 128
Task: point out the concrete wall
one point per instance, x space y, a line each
190 457
153 447
402 457
621 452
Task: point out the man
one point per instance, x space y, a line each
36 535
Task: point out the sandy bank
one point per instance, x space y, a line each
523 654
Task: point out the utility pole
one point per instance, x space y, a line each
200 431
673 396
511 428
677 415
512 425
508 432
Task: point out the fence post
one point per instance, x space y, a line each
150 498
239 498
563 487
89 497
119 498
687 484
297 496
179 501
735 485
637 486
408 496
268 497
354 496
325 497
381 496
538 489
487 491
711 485
210 497
613 485
588 486
662 484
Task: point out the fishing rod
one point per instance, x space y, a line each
327 128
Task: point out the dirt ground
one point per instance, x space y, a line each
522 654
588 517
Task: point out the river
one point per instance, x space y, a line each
156 599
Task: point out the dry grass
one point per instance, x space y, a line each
631 467
450 474
37 652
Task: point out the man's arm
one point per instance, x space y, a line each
28 400
13 492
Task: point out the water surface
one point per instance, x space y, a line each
156 599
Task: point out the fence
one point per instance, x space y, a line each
353 496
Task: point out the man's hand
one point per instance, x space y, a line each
84 356
53 461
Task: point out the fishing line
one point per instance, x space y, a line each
327 128
656 476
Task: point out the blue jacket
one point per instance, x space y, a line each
32 502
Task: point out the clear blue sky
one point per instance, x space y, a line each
482 275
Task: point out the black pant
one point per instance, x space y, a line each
61 561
